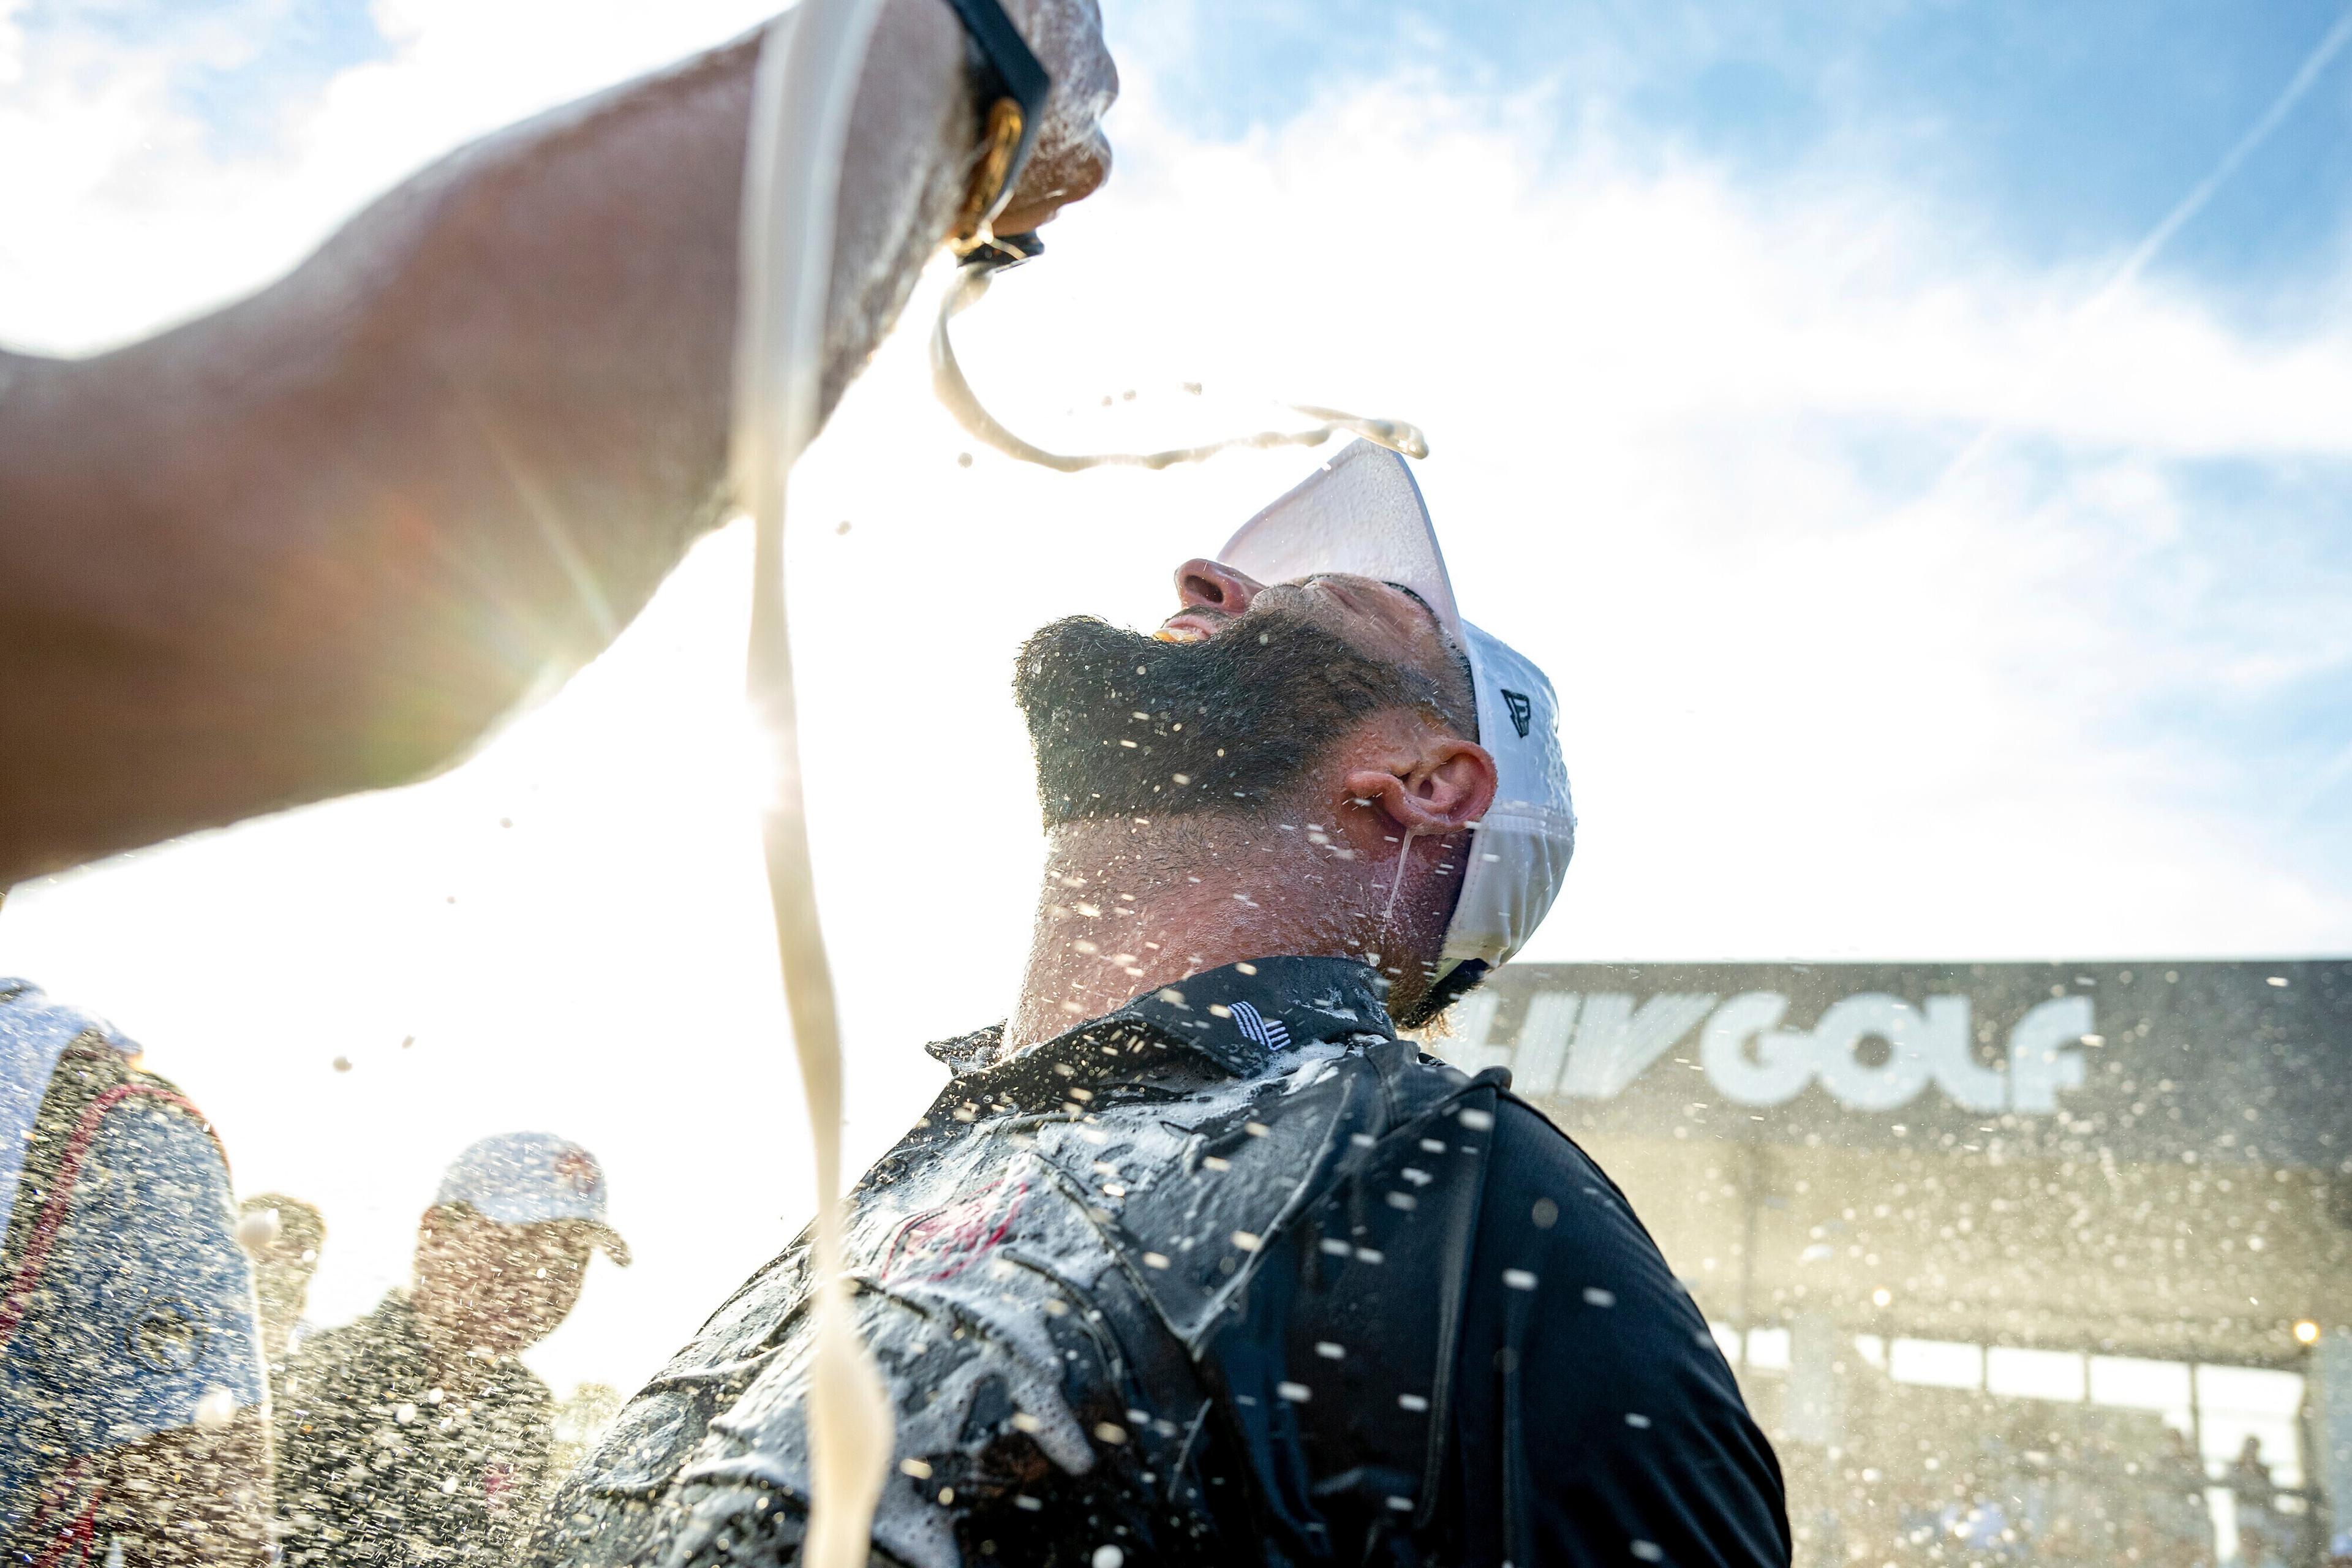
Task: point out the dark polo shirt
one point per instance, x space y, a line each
1229 1275
379 1465
1599 1421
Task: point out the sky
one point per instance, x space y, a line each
1927 568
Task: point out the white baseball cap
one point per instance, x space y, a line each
1361 514
533 1178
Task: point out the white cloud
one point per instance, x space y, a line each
124 216
12 43
1813 706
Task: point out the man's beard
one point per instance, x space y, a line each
1125 725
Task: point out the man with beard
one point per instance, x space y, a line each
1194 1261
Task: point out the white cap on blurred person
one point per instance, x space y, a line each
533 1178
1361 514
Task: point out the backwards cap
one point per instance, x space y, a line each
1361 514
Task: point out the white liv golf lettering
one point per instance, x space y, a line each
1870 1051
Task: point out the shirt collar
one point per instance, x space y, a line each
1239 1017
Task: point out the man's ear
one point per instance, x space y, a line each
1446 784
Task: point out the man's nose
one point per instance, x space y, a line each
1205 585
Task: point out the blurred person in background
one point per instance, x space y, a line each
2256 1548
131 1396
282 1235
415 1435
2251 1489
2183 1518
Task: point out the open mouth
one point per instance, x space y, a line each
1191 625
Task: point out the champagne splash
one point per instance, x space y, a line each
947 382
810 63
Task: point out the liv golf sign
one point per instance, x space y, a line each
2141 1055
1871 1050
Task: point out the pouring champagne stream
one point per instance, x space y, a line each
809 64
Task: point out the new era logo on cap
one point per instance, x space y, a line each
1522 707
1364 512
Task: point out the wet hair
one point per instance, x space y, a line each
1123 724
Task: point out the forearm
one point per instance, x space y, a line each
319 541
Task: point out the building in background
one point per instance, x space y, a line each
2041 1263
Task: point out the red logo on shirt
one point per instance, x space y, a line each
942 1243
